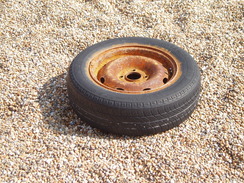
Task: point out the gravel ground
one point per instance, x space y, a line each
41 138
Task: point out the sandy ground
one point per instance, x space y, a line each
42 140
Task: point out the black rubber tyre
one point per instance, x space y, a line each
133 114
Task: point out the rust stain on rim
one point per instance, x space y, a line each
134 68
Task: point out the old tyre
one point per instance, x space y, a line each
133 86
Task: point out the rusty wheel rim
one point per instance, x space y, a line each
134 68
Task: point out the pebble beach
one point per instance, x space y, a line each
43 140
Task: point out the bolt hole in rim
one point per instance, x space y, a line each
120 89
134 68
165 80
146 89
102 79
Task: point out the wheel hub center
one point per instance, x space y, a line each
133 76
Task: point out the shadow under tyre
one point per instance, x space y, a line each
133 86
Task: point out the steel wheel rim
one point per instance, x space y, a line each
134 68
